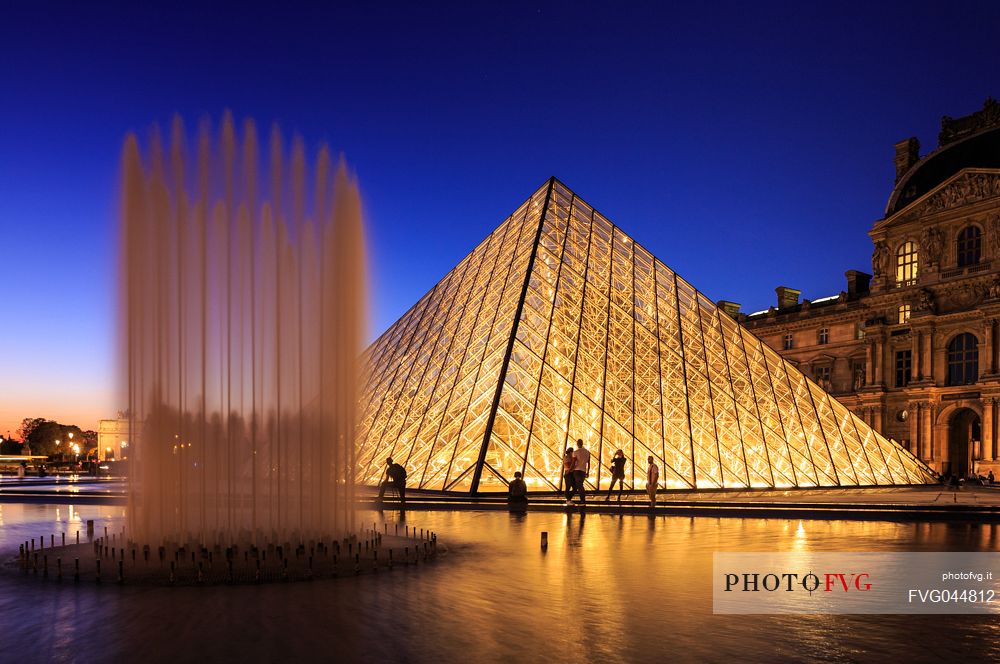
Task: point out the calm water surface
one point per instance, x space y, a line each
608 589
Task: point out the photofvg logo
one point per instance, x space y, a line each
855 582
754 582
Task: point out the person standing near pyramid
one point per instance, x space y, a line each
569 463
581 469
617 475
652 479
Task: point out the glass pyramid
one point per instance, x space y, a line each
559 326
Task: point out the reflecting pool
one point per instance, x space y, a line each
608 588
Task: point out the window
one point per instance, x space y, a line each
789 342
903 359
822 377
858 370
906 264
904 314
824 335
859 332
970 246
963 360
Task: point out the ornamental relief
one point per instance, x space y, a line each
992 226
967 189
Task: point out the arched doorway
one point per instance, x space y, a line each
964 433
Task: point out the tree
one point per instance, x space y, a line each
52 438
28 425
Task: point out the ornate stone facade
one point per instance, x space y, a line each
914 350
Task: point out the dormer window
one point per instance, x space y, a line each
970 246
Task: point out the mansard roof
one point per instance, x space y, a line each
977 150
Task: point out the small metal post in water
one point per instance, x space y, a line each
76 570
59 568
98 577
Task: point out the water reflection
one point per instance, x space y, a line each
609 588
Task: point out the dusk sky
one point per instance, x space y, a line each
747 146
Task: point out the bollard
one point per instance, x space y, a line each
121 571
76 570
59 569
52 540
545 539
41 542
357 563
34 566
64 539
97 579
78 537
90 527
171 578
32 544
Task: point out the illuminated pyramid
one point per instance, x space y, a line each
559 326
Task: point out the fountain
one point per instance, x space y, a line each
242 322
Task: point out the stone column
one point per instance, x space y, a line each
926 354
930 444
986 353
870 363
989 422
913 409
941 365
916 351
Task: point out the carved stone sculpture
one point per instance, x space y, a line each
880 259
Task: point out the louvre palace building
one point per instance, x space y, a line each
912 347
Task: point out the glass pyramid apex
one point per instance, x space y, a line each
559 327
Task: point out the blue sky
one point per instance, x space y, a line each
746 145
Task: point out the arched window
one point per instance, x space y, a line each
906 264
970 246
963 360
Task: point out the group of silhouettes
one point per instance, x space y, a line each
575 470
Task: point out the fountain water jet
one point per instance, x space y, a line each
242 317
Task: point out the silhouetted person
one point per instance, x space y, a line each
617 475
569 463
990 478
581 469
517 494
395 475
21 470
652 478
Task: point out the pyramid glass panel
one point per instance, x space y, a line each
559 327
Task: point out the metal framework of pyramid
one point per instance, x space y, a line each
558 326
